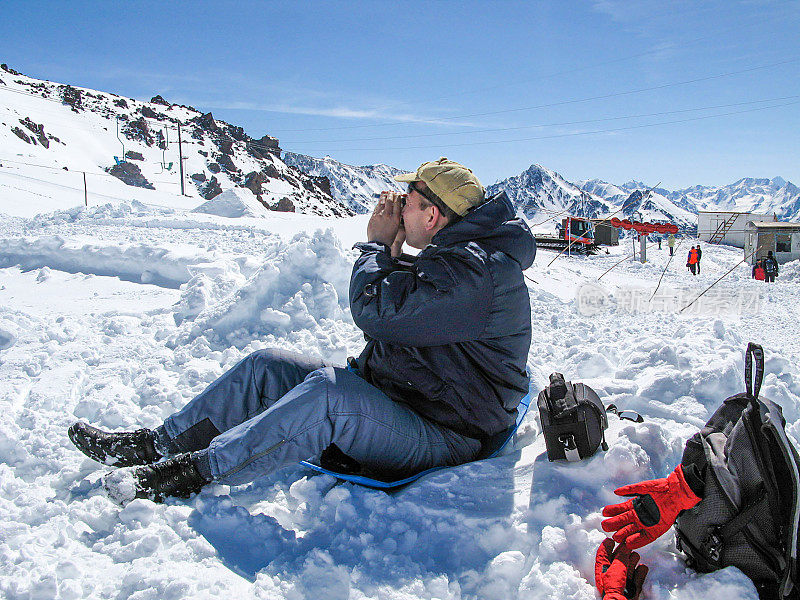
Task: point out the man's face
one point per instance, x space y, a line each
416 219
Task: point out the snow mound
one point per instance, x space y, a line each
300 285
233 203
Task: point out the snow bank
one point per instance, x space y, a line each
300 286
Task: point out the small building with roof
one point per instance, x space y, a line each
781 237
727 227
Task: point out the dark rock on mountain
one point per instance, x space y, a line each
211 189
138 130
23 136
71 96
38 131
199 177
265 146
271 171
207 122
149 113
8 69
121 103
214 167
323 183
254 182
225 144
159 100
237 133
227 163
284 205
133 155
130 174
315 182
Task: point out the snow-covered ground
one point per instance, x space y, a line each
118 314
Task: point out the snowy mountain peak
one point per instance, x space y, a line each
355 187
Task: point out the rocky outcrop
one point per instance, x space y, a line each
8 69
225 144
206 122
121 103
133 155
149 113
22 135
214 167
211 189
159 100
198 177
271 171
138 130
130 174
37 130
254 182
71 96
284 205
227 163
264 147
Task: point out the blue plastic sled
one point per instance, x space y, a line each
491 449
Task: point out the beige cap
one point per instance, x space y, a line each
454 183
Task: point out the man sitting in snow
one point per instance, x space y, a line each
447 335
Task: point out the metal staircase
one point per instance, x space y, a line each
723 228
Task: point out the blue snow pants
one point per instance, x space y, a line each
275 408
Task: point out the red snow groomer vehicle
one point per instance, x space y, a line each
575 232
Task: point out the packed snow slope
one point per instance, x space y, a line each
120 313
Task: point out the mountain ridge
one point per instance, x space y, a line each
69 128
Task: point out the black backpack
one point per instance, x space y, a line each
749 514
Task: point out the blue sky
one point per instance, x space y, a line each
597 89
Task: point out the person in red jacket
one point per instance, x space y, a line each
691 262
758 271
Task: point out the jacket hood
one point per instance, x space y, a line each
493 224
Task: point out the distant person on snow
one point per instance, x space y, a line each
770 267
699 257
691 261
671 243
448 334
758 271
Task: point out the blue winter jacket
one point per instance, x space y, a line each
449 334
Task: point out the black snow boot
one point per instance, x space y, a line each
123 449
177 476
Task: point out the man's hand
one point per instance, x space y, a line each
399 240
385 220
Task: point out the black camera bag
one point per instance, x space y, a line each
573 419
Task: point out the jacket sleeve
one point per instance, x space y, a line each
444 298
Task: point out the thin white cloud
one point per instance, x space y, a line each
340 112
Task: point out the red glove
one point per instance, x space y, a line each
615 573
646 517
